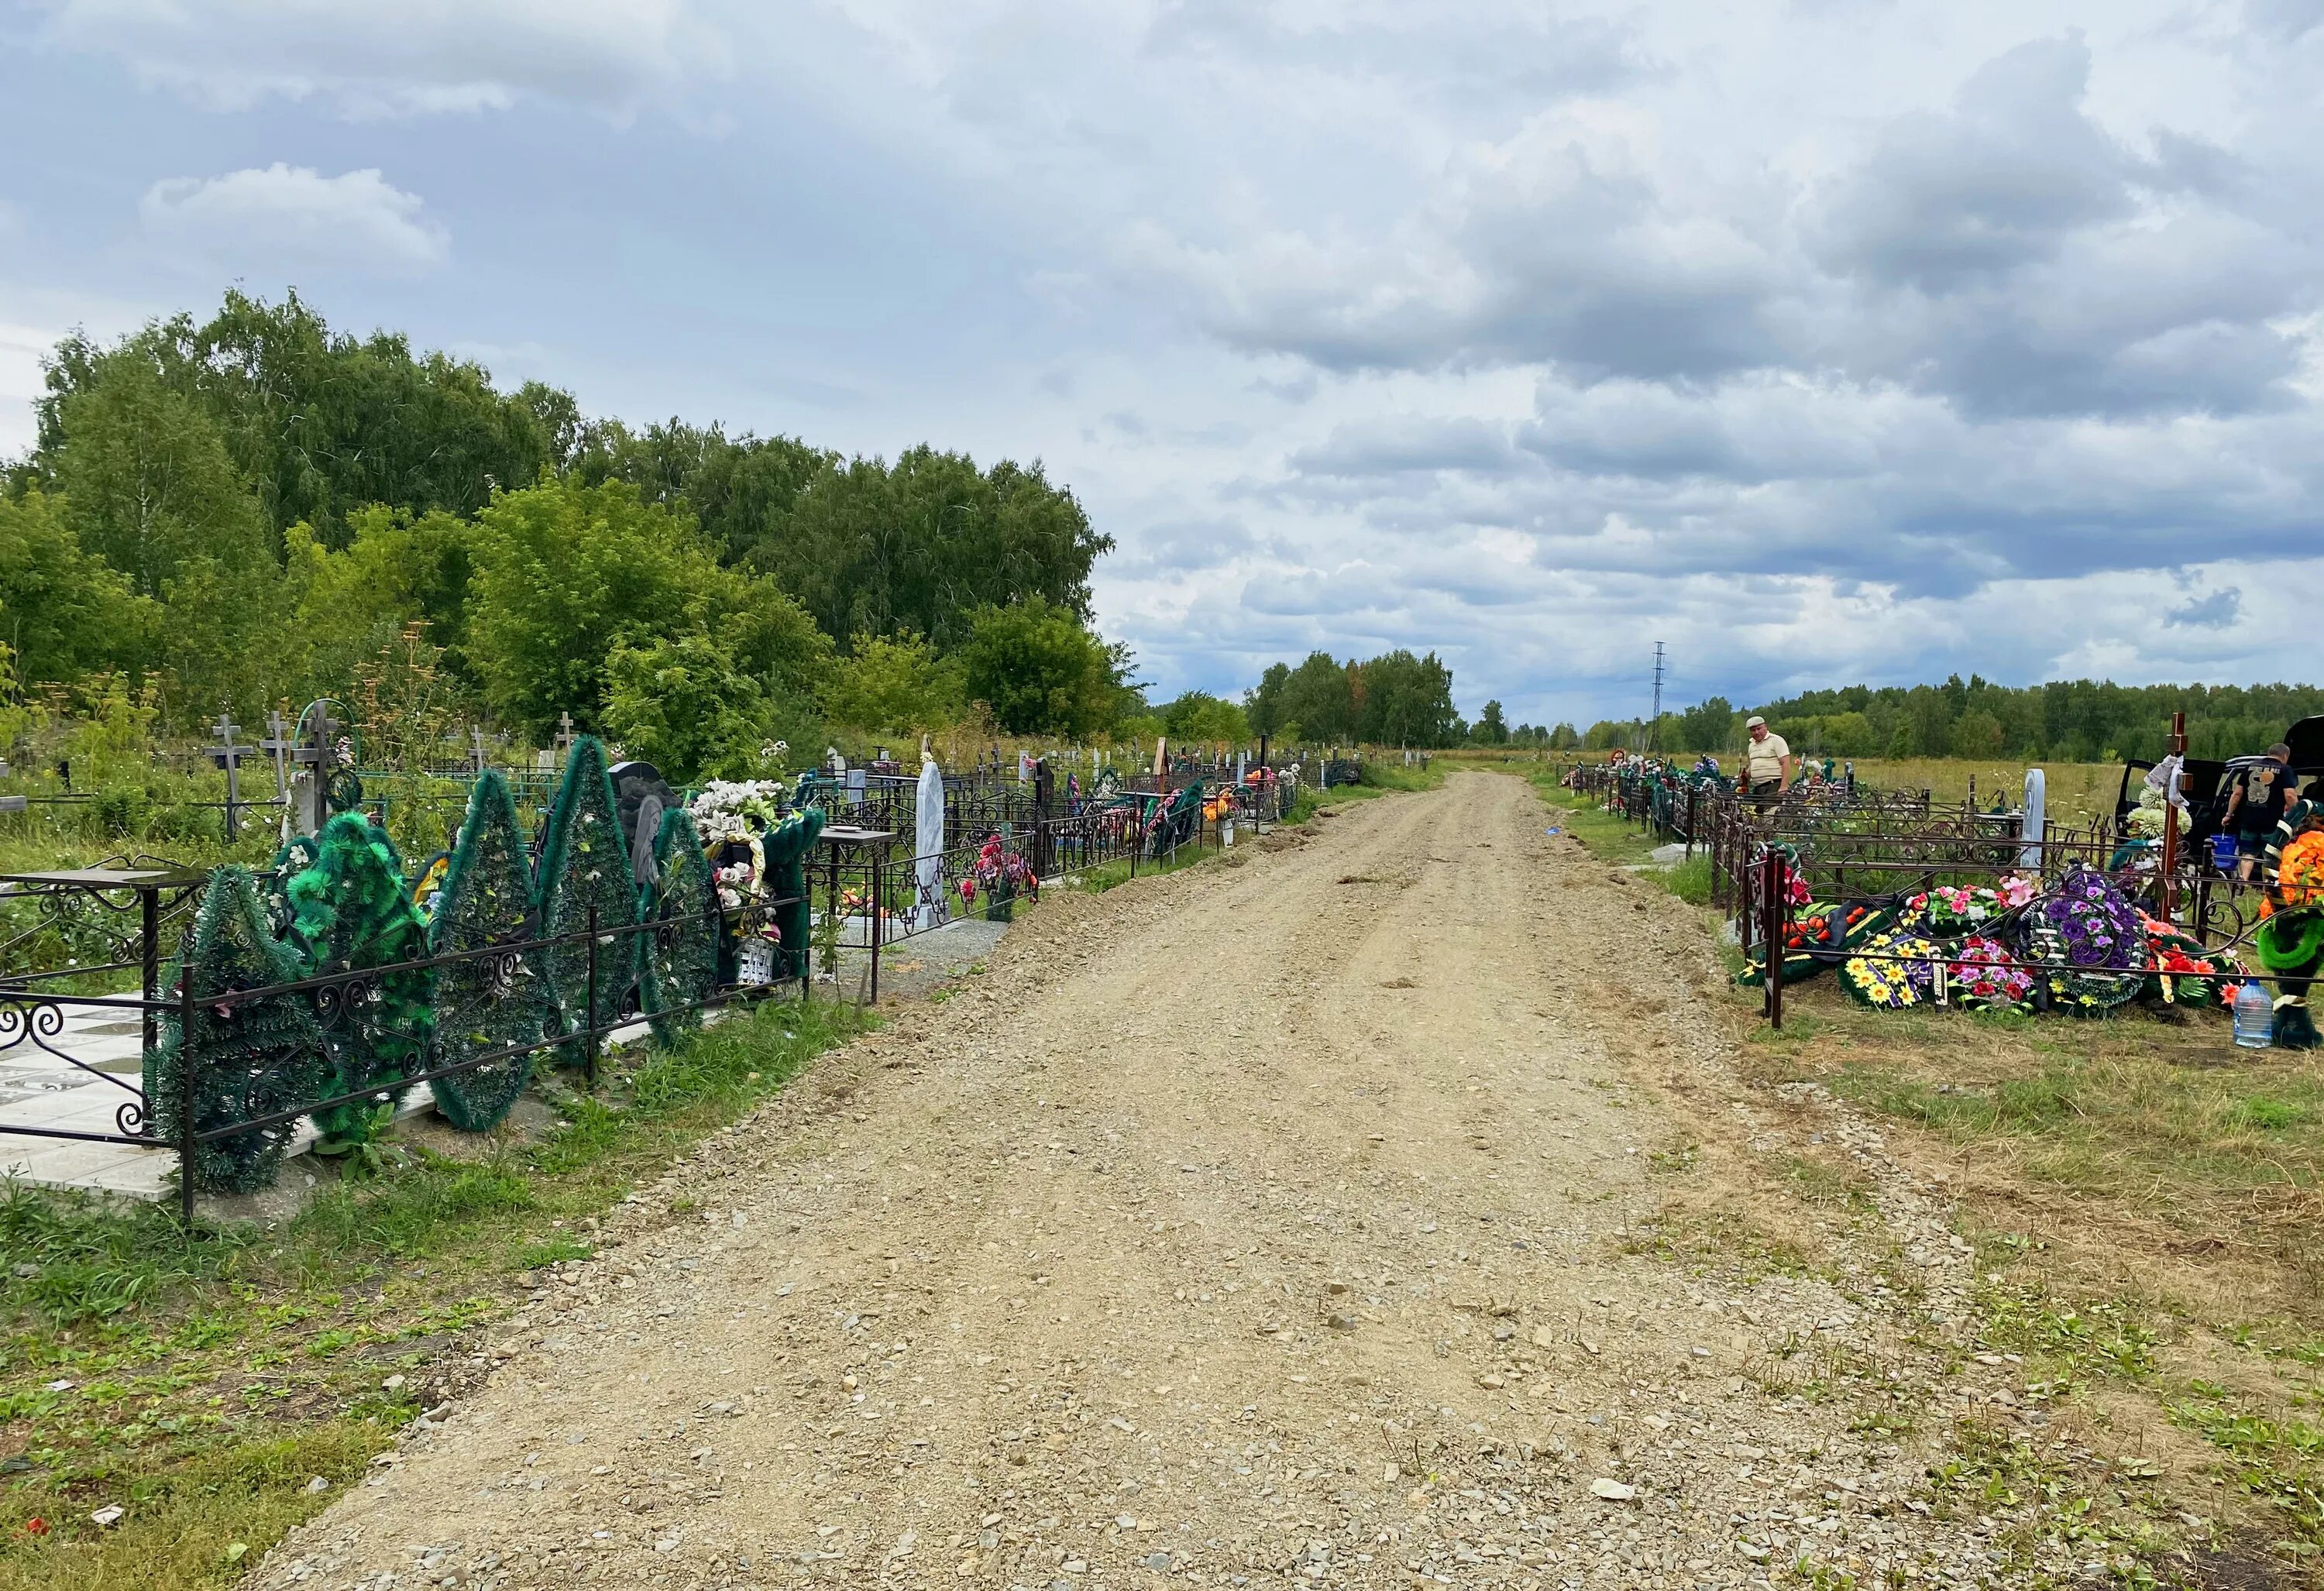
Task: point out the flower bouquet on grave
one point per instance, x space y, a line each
2181 972
1952 911
1984 975
1002 875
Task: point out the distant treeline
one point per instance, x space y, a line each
2064 721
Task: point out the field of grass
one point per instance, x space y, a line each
2075 791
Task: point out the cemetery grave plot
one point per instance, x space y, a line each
1914 904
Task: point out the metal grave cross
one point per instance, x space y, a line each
564 737
277 744
228 756
476 762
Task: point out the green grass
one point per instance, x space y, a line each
1114 875
212 1377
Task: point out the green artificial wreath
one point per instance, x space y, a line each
585 862
2290 944
485 1003
296 856
786 847
681 943
250 1059
349 912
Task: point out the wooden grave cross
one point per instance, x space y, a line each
317 756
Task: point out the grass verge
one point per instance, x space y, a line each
203 1386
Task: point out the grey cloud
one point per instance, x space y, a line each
2216 612
1997 182
368 59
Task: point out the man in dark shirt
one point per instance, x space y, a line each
2256 806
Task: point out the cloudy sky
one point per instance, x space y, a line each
1822 340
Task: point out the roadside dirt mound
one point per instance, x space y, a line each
1293 1218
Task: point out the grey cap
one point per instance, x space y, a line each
1755 721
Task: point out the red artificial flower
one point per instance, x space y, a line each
36 1526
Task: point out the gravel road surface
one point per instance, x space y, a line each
1298 1220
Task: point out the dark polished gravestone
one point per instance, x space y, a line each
638 789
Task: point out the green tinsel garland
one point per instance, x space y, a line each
251 1060
786 848
2290 944
585 861
679 950
349 911
486 1003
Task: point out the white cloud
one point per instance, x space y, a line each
383 57
358 221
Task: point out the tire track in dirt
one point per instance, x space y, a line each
1267 1223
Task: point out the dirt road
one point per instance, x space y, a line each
1287 1221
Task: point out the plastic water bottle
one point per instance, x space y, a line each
2255 1017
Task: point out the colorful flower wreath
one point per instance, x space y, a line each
2299 874
1904 974
1816 936
1948 911
2089 942
2179 971
1984 975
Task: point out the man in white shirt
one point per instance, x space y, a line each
1767 759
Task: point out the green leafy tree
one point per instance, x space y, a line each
684 704
564 575
148 480
1707 726
897 684
1200 719
741 489
1406 701
1976 733
320 424
1564 738
1319 697
1851 734
1491 729
63 610
922 546
396 568
1039 670
1263 703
